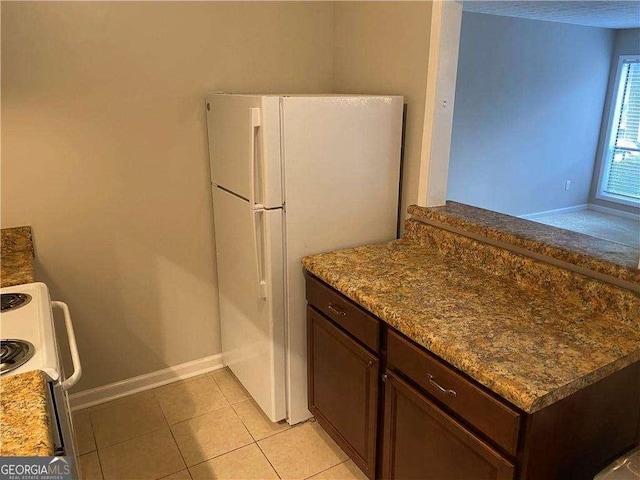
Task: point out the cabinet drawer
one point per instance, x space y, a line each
488 414
362 325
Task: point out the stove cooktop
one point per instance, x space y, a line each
11 301
14 353
28 337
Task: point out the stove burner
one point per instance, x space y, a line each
11 301
14 353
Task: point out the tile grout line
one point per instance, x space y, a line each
219 387
99 465
128 439
218 456
265 456
98 449
136 436
208 375
93 434
157 403
169 425
197 416
95 443
139 436
222 390
256 440
230 405
172 437
200 414
326 469
292 427
244 424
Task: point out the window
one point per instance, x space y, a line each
620 176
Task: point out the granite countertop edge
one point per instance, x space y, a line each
603 256
24 415
25 428
519 395
18 252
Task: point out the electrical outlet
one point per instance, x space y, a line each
567 185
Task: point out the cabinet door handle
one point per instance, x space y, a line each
447 391
370 363
336 309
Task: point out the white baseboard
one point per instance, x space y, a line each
576 208
614 211
96 396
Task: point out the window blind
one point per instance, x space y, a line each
623 162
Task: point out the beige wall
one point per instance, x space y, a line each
383 47
104 146
104 153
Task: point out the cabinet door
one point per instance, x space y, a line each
422 442
343 389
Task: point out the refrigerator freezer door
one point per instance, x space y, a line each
341 170
250 283
244 147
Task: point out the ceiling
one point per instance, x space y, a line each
604 14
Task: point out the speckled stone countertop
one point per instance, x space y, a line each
16 264
531 346
591 253
24 418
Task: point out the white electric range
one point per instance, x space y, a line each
28 342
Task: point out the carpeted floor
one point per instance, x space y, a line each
597 224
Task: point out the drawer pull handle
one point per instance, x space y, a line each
336 309
448 391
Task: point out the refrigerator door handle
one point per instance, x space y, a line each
259 250
255 126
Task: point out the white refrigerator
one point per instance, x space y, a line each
292 175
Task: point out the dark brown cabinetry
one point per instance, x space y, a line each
343 389
422 442
486 413
401 412
347 315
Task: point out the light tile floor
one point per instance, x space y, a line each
206 427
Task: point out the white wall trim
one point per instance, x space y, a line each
444 42
430 102
575 208
96 396
614 211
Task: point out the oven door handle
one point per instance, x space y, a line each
73 347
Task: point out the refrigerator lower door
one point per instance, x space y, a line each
249 252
